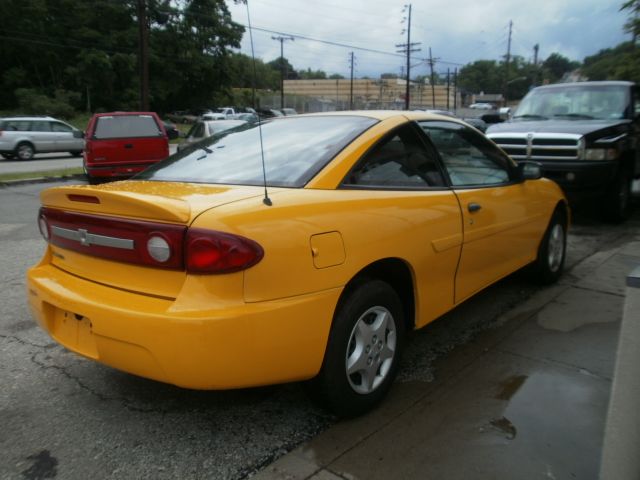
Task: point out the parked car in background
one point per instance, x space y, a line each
586 136
269 113
473 121
23 137
289 111
230 265
206 128
481 106
247 117
171 129
121 144
212 116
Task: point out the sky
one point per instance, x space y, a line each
458 31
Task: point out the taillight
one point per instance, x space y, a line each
42 226
151 244
208 251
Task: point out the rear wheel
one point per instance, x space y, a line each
617 206
552 251
363 352
25 151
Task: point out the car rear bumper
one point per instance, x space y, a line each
116 170
229 345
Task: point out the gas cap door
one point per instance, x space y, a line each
327 249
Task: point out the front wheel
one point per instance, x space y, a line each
364 349
552 251
25 151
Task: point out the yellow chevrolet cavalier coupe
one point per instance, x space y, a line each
301 250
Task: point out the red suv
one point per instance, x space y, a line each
121 144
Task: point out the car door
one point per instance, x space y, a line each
43 137
64 140
501 221
409 184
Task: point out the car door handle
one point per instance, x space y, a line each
474 207
128 145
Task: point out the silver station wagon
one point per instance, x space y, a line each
23 137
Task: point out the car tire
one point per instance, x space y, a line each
617 201
76 153
552 251
25 151
363 351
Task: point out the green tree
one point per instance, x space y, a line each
309 74
481 76
556 65
633 23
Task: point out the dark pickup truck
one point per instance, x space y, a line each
585 135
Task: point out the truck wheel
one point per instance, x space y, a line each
25 151
617 202
363 351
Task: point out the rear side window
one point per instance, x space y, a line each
18 125
294 148
400 160
126 126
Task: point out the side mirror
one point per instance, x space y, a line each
529 170
492 118
78 134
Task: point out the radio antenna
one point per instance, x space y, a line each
266 200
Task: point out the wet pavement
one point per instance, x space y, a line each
525 399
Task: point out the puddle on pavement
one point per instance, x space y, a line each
546 409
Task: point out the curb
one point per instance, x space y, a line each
29 181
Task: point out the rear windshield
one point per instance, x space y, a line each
295 149
126 126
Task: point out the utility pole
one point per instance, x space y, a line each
448 86
432 61
536 47
143 55
455 89
351 61
506 66
408 49
282 40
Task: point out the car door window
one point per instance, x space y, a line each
469 158
198 131
399 160
40 126
60 127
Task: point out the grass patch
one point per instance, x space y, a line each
61 172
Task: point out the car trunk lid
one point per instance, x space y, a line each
101 233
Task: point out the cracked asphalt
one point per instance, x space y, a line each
62 416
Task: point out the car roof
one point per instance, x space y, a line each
35 117
579 84
384 115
